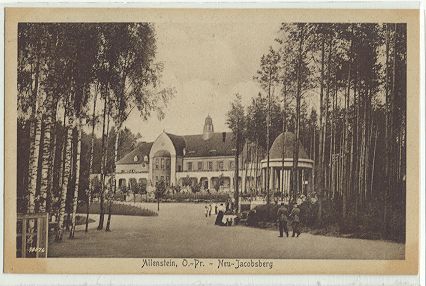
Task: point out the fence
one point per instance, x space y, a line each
32 235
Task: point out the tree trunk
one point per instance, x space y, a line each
324 167
268 122
45 157
320 167
67 170
295 184
283 143
113 183
50 194
91 171
35 132
102 194
236 171
77 179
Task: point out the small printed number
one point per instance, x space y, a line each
36 249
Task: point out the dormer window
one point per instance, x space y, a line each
145 158
135 159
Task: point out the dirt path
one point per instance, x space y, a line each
182 230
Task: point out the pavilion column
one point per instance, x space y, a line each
277 179
264 179
271 178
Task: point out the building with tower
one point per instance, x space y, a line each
208 159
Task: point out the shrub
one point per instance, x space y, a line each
200 197
117 209
259 216
266 213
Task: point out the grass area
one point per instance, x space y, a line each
117 209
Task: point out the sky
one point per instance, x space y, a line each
207 63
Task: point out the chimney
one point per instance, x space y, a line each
223 136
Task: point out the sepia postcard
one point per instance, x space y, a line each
211 141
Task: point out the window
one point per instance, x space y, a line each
162 163
156 163
231 165
162 178
167 164
210 166
179 168
220 165
200 165
189 166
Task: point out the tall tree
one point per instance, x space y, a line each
136 78
268 77
235 119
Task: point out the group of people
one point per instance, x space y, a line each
284 217
219 211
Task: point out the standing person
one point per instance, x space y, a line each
210 209
282 216
219 218
215 209
206 210
295 214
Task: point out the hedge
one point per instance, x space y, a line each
117 209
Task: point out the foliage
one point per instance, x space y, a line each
218 183
160 189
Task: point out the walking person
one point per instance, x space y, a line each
295 215
282 217
210 209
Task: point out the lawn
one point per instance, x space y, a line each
117 209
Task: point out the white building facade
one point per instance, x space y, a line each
207 159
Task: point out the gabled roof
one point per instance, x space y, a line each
277 147
178 143
141 151
219 144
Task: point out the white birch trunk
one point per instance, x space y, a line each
67 170
77 179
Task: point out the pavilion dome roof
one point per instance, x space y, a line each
287 139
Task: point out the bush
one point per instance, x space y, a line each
117 209
263 214
198 197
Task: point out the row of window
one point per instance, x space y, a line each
208 166
161 163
